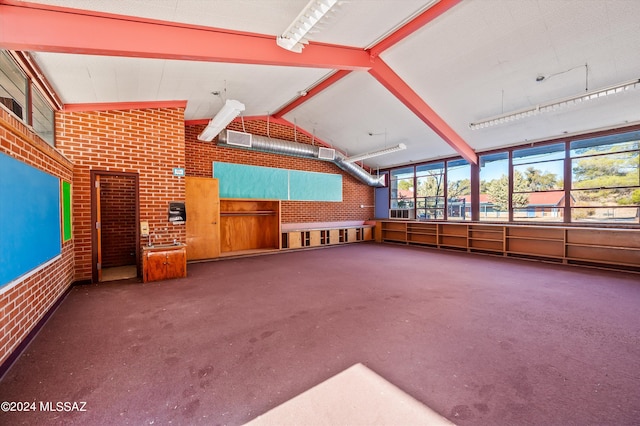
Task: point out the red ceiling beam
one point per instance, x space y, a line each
30 27
389 79
312 92
415 24
409 28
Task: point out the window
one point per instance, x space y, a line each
605 179
430 193
458 190
594 180
402 193
14 95
13 86
538 184
494 187
42 117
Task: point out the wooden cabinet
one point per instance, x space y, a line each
330 234
603 247
164 262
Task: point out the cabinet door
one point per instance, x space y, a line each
155 268
176 264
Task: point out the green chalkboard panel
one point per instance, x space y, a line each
310 186
66 211
242 181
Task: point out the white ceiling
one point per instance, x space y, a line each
478 59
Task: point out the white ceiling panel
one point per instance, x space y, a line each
255 16
491 67
91 79
347 112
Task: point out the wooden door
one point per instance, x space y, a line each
202 202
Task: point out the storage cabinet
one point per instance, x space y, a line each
604 247
164 262
313 237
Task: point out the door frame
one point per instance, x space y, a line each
94 217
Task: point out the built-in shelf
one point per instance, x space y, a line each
329 233
605 247
249 226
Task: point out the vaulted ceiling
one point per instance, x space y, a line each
376 73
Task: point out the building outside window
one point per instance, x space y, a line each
603 186
430 200
605 179
538 183
458 190
402 190
494 187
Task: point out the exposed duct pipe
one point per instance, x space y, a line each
296 149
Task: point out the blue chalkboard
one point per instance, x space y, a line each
242 181
30 232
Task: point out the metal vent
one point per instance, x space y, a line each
238 139
402 214
326 154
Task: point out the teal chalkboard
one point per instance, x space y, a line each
30 230
243 181
310 186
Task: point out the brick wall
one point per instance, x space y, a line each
118 218
149 142
200 155
25 301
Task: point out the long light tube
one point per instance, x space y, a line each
229 111
554 105
293 38
384 151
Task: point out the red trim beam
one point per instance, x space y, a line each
389 79
113 106
31 27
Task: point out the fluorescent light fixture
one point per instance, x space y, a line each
554 105
383 151
293 38
229 111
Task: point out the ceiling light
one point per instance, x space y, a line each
229 111
554 105
293 38
384 151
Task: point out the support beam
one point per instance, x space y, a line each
31 27
312 92
410 27
389 79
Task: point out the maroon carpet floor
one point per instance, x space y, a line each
482 340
